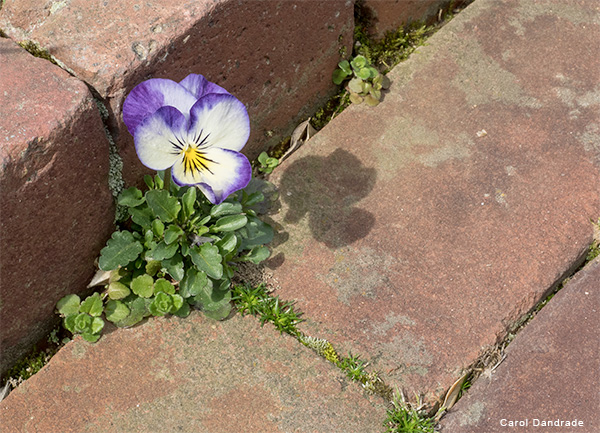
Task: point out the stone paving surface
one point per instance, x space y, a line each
54 156
190 375
551 371
415 233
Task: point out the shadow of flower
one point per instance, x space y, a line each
326 189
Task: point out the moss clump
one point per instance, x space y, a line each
37 51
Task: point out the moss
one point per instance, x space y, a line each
37 51
36 359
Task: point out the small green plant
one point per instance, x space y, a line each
405 417
266 163
594 250
258 302
366 83
178 251
354 368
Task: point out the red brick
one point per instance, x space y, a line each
56 208
551 370
190 375
388 15
417 232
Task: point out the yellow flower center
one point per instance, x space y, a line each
194 161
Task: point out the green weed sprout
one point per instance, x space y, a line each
266 163
365 84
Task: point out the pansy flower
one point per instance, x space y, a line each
195 128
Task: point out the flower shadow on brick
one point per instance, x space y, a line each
327 189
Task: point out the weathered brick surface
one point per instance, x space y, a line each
276 56
55 208
190 375
551 371
388 15
416 232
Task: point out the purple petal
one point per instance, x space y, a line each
223 119
159 138
199 86
150 95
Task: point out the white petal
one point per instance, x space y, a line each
221 117
159 138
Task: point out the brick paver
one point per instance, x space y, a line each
551 371
55 208
417 232
190 375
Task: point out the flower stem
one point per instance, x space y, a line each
167 179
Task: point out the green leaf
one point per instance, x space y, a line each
142 216
355 85
257 255
120 250
163 251
207 259
363 73
184 311
213 299
131 197
173 233
177 303
375 94
225 208
161 304
338 77
69 323
68 305
117 290
164 205
222 285
174 267
138 311
359 62
371 101
116 311
355 98
262 158
385 83
162 285
257 233
345 66
188 200
159 179
373 73
149 181
158 228
193 283
230 223
92 305
83 322
220 313
89 337
228 243
97 325
254 198
143 286
153 267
